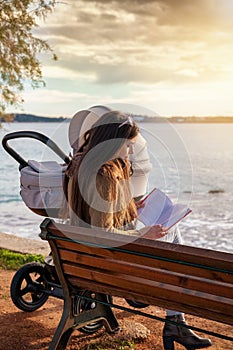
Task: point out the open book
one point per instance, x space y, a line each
159 210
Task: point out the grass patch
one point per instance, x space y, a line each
109 343
13 261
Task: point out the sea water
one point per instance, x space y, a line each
192 163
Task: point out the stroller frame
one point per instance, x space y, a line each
34 283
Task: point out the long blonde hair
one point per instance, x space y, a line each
112 126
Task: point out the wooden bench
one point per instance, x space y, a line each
193 280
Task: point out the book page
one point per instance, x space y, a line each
173 215
159 210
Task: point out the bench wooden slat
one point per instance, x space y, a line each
149 288
146 261
159 299
165 276
192 255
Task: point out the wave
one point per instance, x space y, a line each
9 199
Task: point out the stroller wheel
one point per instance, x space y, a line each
82 305
136 304
27 287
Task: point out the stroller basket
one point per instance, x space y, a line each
40 182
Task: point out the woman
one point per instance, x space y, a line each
97 181
98 195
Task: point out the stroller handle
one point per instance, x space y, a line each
34 135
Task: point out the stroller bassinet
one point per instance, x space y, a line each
40 182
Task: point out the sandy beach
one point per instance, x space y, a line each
46 319
37 328
23 245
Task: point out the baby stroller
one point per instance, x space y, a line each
41 191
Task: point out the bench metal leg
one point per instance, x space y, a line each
64 329
100 312
69 322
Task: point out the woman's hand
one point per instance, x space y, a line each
153 232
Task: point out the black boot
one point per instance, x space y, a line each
182 335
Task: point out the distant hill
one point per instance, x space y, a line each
205 120
180 119
30 118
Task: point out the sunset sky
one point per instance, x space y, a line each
174 57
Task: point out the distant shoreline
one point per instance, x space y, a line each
31 118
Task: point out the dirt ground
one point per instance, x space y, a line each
34 331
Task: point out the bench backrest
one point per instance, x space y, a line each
193 280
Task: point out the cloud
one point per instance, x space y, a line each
141 41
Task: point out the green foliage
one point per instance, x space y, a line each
7 118
19 47
13 261
126 345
